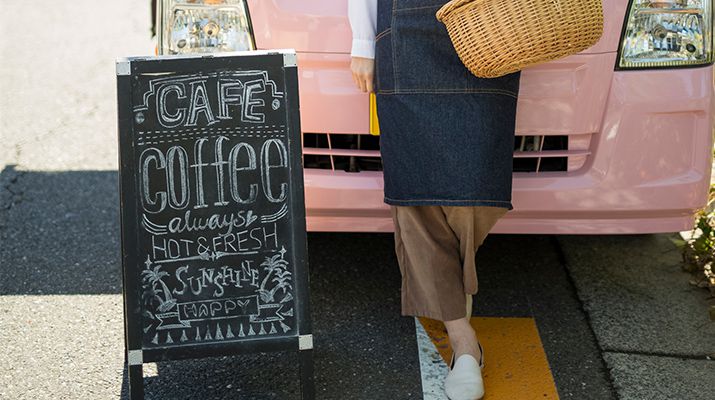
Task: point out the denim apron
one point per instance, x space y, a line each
446 136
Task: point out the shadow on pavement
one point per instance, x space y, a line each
60 235
59 232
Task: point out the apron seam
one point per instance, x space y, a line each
382 34
392 45
446 200
419 8
448 91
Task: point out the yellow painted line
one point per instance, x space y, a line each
515 364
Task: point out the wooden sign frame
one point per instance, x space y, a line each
276 68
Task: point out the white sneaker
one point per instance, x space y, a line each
464 380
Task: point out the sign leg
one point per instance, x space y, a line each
136 382
307 385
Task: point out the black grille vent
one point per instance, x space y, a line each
356 153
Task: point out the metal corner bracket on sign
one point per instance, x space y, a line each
135 357
305 342
290 60
124 67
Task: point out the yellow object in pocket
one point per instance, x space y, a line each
374 125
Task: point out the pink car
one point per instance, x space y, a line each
615 139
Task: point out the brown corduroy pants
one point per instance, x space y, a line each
436 250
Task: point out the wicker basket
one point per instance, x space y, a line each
498 37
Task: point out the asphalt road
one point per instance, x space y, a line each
62 321
616 317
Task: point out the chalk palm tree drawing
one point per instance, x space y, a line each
277 267
151 279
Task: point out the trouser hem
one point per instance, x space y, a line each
436 315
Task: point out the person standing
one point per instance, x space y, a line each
446 141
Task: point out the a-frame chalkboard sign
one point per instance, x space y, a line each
214 255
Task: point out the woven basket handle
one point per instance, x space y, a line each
444 11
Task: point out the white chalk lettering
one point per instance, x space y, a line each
166 118
249 89
157 203
233 173
199 104
242 179
171 156
199 172
217 279
243 95
267 166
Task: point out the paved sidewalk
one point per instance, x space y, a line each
651 324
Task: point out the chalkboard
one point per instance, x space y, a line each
212 207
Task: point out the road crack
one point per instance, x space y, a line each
706 357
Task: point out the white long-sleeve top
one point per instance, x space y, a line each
363 23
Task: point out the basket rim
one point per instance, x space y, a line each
452 6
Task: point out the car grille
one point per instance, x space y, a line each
542 153
346 152
356 153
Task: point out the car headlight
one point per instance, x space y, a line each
204 26
666 33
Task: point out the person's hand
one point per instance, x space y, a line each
363 70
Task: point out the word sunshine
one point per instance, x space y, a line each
216 278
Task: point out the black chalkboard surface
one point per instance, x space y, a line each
212 209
